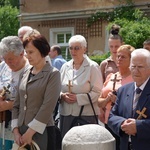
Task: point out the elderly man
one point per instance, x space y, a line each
130 116
15 63
22 31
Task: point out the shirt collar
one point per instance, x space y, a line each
142 86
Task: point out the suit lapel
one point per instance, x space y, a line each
45 69
81 69
70 73
69 70
130 97
143 98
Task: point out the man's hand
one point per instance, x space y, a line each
129 126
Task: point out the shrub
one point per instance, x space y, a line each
134 32
100 58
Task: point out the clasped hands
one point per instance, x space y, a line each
69 97
129 126
24 139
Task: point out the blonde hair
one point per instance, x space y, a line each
128 48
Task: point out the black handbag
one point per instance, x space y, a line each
78 121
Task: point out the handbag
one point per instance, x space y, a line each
78 121
33 146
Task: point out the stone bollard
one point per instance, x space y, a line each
88 137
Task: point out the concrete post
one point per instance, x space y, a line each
88 137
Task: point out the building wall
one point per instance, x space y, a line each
47 14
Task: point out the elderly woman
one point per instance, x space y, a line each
114 81
79 76
37 94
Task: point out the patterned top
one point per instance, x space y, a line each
108 66
10 79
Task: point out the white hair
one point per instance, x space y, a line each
23 29
141 52
78 38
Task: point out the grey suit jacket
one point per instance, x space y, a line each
36 99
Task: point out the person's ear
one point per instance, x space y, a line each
85 50
22 53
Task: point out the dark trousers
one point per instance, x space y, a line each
115 136
51 138
54 138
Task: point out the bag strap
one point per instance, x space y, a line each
35 146
81 110
92 107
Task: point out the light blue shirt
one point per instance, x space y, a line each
58 61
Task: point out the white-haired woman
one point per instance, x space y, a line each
79 76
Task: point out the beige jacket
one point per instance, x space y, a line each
87 80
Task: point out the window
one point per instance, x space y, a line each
61 36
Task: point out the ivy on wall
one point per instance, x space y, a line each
120 11
134 23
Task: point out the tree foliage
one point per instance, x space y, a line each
13 3
9 23
134 31
133 22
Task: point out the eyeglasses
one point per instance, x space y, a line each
137 67
76 48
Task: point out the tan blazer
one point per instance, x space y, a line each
36 98
87 80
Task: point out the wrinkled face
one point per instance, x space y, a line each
76 50
21 34
13 61
123 59
33 54
147 46
114 44
139 70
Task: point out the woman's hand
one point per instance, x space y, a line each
27 136
69 97
112 97
17 136
102 102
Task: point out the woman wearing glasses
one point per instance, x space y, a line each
79 76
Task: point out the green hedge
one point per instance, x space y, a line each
99 58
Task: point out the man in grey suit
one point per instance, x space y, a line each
133 124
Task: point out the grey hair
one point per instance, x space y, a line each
11 44
141 52
24 29
78 38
